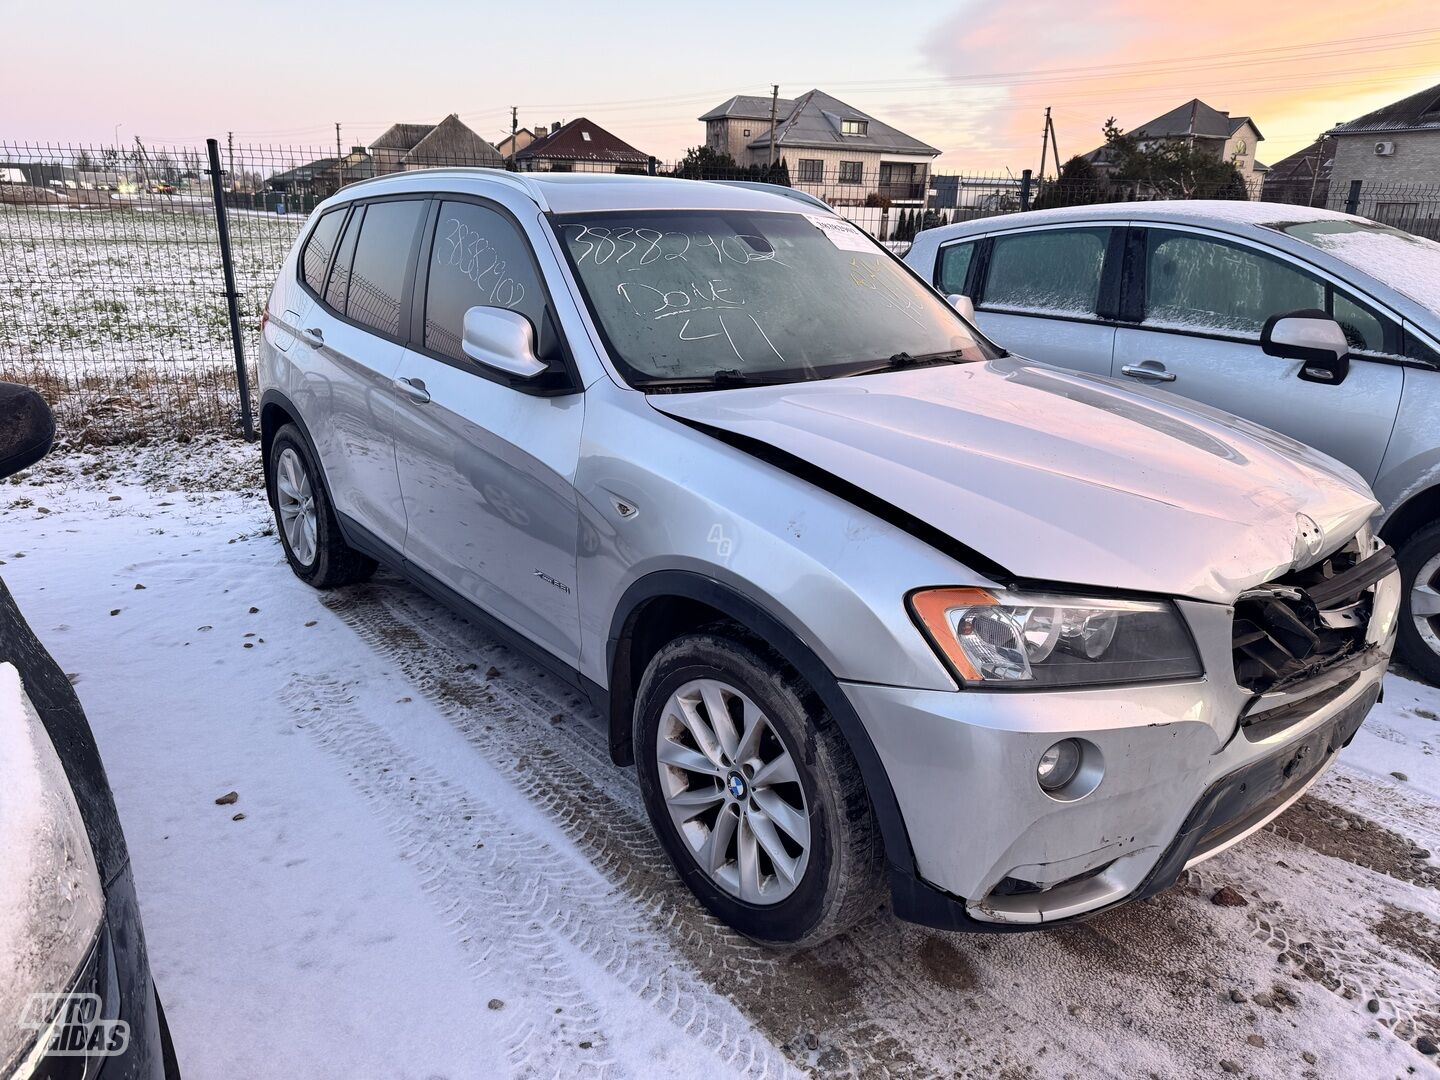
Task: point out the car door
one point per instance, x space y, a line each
352 334
1045 293
487 465
1201 301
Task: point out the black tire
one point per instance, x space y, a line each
334 563
1413 554
843 880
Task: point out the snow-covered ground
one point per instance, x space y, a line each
431 869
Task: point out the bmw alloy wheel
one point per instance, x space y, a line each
733 791
1425 602
295 499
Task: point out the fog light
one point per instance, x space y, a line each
1058 765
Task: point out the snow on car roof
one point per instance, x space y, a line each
1407 263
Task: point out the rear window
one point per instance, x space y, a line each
382 259
954 267
320 247
1056 271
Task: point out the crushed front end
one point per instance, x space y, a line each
1185 768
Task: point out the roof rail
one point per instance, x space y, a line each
471 172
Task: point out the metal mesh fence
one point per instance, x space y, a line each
112 297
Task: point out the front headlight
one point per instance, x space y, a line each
1017 640
51 903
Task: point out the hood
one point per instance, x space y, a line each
1059 476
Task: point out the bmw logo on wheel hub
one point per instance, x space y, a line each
736 786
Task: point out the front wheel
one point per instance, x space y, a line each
1419 637
755 796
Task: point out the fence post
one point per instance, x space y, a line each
650 164
1025 177
1352 200
232 298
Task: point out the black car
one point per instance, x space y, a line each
75 988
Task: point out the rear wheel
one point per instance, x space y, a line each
755 796
1419 637
305 519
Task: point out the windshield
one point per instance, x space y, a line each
1407 263
707 298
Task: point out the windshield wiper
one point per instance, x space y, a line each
901 360
723 379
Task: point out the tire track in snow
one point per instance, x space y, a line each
486 891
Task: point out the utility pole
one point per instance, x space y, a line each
338 154
1315 169
230 148
774 104
1054 145
1044 144
514 126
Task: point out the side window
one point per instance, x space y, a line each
382 257
1415 349
1055 271
479 258
1363 328
954 266
339 283
321 245
1196 283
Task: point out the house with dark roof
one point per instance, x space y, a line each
425 146
321 178
831 149
1396 144
579 146
517 140
1231 138
1303 178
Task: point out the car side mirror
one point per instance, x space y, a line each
1313 338
503 340
27 428
963 304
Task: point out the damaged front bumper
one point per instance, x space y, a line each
1188 769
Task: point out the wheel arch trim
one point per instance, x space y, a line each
755 617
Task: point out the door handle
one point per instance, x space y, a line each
314 336
414 389
1151 370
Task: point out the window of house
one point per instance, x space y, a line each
955 263
1197 283
382 256
320 247
585 135
849 172
1055 271
853 127
479 259
746 133
811 171
338 286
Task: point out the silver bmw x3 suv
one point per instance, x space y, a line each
867 602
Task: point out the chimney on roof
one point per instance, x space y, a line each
558 125
541 131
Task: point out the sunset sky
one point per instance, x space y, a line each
970 78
